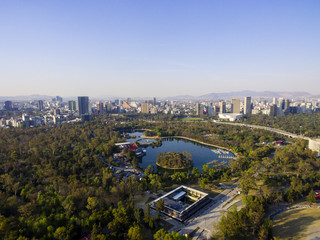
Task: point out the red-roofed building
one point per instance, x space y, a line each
317 194
132 147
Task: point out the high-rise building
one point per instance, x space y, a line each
145 108
198 109
247 105
222 107
235 105
59 99
154 101
83 105
287 105
108 107
273 110
72 105
40 105
8 105
274 101
281 103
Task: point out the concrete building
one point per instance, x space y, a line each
247 105
235 105
145 108
222 107
182 202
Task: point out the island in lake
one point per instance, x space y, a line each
175 160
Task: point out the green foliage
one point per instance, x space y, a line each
135 233
247 223
307 123
311 197
164 235
173 160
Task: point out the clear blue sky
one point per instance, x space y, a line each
158 48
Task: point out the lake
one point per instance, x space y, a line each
201 154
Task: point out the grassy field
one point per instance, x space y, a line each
191 119
297 224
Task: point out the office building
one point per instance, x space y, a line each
154 101
198 109
247 105
273 110
274 101
281 103
40 105
72 105
222 107
59 99
100 107
145 108
287 106
235 105
83 105
8 105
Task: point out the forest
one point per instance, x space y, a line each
305 123
54 184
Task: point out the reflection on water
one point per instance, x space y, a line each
200 154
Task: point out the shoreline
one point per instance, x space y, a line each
173 168
197 141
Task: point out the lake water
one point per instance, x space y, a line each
201 154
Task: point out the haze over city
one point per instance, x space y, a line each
158 48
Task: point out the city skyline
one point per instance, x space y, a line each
158 49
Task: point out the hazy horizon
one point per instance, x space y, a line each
165 48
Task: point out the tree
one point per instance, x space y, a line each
164 235
147 214
311 198
160 205
92 203
135 233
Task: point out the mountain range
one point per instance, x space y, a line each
209 96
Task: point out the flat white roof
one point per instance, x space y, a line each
179 195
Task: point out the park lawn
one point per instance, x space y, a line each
297 224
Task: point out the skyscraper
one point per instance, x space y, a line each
273 110
83 105
198 108
222 106
235 105
40 105
72 105
287 105
247 105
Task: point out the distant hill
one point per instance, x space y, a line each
265 94
26 97
206 97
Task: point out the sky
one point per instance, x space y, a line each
146 48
